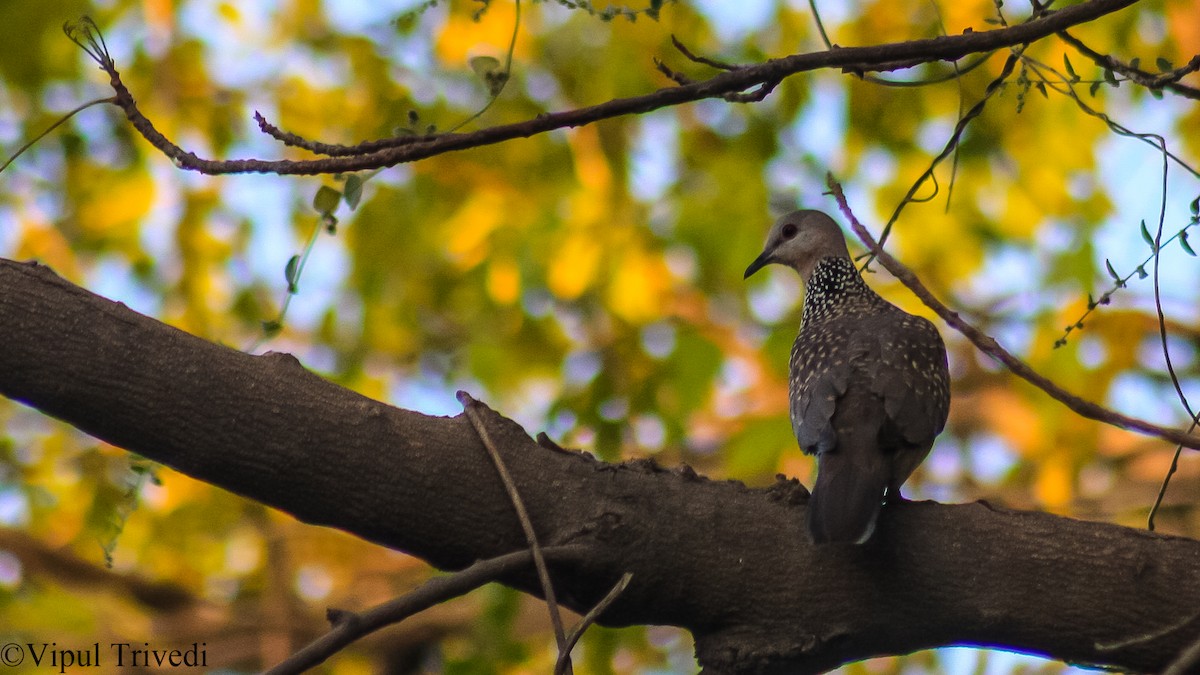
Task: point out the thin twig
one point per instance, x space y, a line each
507 72
350 626
1147 637
1162 489
471 408
951 143
588 619
1119 282
674 75
988 345
957 73
949 148
1158 308
1168 80
1116 127
711 63
1184 663
52 127
1162 334
1063 84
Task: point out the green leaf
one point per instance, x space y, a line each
1156 93
1184 243
1146 235
1041 86
1070 70
488 69
326 199
1195 206
290 273
1163 64
1111 272
1135 63
1111 77
1094 88
484 65
1141 272
353 191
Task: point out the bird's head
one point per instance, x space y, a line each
800 240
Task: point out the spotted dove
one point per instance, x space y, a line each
869 387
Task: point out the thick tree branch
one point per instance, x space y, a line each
743 83
729 563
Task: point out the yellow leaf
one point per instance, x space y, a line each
116 202
957 16
1015 419
638 286
229 12
574 266
1054 485
504 281
468 229
591 166
45 243
462 36
1182 24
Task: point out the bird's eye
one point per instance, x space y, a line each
788 231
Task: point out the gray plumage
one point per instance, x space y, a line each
868 382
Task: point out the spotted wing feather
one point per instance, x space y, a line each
822 364
911 376
903 360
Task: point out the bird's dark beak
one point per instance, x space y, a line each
760 262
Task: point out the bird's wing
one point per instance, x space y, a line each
823 364
900 357
911 377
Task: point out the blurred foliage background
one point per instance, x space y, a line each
587 283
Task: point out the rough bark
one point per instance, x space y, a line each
729 563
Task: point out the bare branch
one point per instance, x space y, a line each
350 626
955 74
712 63
564 656
1188 658
392 151
1168 80
52 127
988 345
674 76
952 143
471 408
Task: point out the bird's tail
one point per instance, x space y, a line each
848 494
